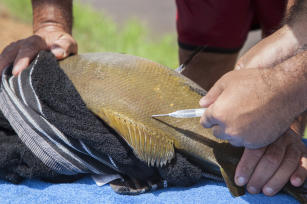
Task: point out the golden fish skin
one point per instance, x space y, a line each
125 91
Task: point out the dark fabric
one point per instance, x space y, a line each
209 49
63 107
224 25
17 161
21 106
180 172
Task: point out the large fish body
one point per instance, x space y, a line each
125 91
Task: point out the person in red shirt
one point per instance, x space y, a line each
221 27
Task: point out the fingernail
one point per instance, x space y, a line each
241 181
252 189
15 70
58 52
297 181
268 190
237 67
203 101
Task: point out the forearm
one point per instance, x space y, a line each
52 13
292 75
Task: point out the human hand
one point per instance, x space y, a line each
272 50
52 38
268 169
249 107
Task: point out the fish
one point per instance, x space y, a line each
125 91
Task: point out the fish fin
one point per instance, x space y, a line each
132 186
154 148
299 193
228 160
233 188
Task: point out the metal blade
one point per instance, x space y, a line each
159 115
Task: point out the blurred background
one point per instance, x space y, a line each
144 28
138 27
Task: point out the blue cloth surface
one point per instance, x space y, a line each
86 191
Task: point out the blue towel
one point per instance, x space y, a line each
86 191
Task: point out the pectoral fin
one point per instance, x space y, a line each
233 188
153 147
228 157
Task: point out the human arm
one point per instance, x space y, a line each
271 96
285 159
286 42
52 27
253 107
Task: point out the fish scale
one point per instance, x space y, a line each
125 91
122 80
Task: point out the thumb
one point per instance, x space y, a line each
212 95
64 47
58 52
243 61
239 65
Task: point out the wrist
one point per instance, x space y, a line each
292 77
48 27
52 13
293 37
298 31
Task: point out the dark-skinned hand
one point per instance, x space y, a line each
22 52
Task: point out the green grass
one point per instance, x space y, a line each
98 33
20 9
95 32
